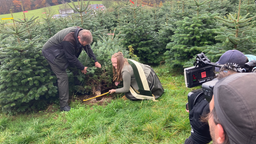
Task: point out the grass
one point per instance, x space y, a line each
119 121
38 12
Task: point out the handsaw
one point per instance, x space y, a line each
96 96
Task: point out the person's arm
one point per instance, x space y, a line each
126 83
90 53
70 55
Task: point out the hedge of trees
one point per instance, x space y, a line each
172 34
16 5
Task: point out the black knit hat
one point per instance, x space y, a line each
235 104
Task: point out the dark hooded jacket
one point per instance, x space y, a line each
64 48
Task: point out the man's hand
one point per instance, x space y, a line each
84 70
97 64
112 91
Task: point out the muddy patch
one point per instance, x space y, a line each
52 108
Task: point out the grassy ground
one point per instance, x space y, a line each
38 12
117 121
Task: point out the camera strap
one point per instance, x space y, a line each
199 97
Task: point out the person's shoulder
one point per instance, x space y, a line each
127 68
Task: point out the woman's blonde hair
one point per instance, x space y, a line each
121 61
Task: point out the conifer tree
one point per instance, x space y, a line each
29 23
222 7
81 9
87 19
238 32
191 35
137 29
248 7
49 27
180 9
25 76
106 19
166 26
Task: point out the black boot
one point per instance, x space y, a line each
65 108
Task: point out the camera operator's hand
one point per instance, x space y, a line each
200 130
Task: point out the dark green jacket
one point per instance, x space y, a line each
64 48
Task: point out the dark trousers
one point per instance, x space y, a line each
62 79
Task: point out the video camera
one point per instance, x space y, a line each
203 73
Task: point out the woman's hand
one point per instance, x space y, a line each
117 83
112 91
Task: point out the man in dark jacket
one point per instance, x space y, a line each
63 49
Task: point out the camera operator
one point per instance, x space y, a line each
200 107
235 56
232 110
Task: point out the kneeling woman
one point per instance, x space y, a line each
139 80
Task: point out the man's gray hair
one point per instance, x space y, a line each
86 35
